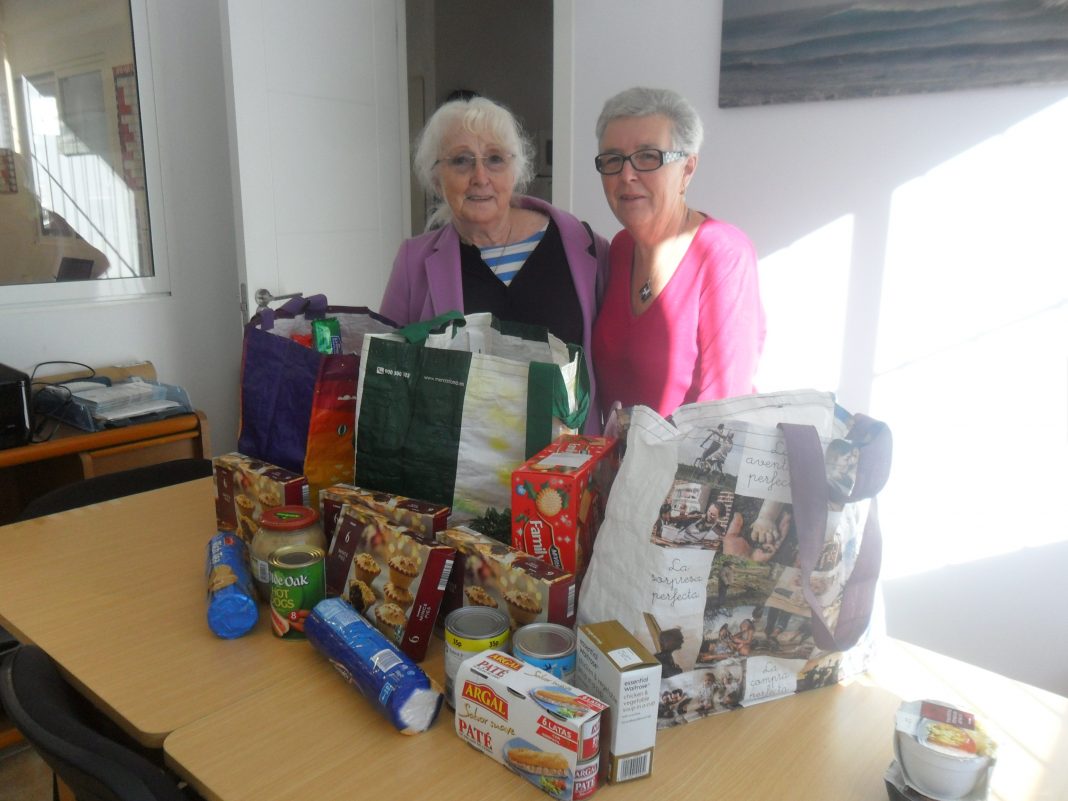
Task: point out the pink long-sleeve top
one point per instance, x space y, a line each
700 338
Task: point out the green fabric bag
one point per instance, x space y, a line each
448 408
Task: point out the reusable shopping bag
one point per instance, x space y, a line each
447 409
297 404
741 545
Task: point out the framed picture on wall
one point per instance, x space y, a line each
792 51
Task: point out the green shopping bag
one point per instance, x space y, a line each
447 409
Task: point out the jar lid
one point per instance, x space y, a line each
288 518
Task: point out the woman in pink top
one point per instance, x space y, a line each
681 319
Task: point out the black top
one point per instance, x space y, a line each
542 292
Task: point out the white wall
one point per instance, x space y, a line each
914 259
193 336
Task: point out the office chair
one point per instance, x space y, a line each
57 723
116 485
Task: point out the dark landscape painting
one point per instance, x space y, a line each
790 51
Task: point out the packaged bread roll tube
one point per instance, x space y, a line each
393 683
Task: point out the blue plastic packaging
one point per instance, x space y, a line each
385 675
232 609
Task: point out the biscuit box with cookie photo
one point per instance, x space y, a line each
489 573
245 487
393 576
417 515
558 499
540 727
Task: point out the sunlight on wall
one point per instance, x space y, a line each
804 288
971 368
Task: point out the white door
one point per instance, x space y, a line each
319 146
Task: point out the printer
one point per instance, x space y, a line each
15 417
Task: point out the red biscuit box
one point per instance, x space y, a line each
393 576
246 487
558 499
422 516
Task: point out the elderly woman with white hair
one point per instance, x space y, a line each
682 319
490 248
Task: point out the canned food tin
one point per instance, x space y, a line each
547 646
298 583
586 774
591 739
471 630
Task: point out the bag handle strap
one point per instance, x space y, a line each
810 494
547 398
416 333
313 307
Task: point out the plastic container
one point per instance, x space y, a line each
943 753
281 526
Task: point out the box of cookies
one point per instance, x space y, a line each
489 573
393 576
558 499
538 726
421 516
245 487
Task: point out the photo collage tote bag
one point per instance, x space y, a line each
741 546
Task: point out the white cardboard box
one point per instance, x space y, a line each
613 666
540 727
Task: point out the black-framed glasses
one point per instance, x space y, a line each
465 162
645 160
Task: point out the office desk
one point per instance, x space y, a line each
71 455
115 593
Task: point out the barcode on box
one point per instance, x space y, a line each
633 767
445 575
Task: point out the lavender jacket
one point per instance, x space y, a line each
426 279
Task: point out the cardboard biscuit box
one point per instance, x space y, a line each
395 577
489 573
538 726
422 516
558 499
614 666
246 487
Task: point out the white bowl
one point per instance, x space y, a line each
942 776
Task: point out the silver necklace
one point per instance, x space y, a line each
504 247
646 290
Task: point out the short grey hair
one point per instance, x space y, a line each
639 101
482 117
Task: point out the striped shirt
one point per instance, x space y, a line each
508 260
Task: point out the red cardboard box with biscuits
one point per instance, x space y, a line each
393 576
421 516
246 487
490 573
558 499
540 727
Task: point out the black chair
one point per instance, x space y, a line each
116 485
60 725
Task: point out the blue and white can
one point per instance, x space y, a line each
547 646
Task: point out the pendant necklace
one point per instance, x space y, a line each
646 290
503 247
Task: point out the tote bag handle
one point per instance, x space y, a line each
810 495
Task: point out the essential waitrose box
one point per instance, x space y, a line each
420 516
538 726
612 665
393 576
490 573
246 487
559 497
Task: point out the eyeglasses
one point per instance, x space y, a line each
465 162
645 160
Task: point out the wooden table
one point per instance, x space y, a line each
115 593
